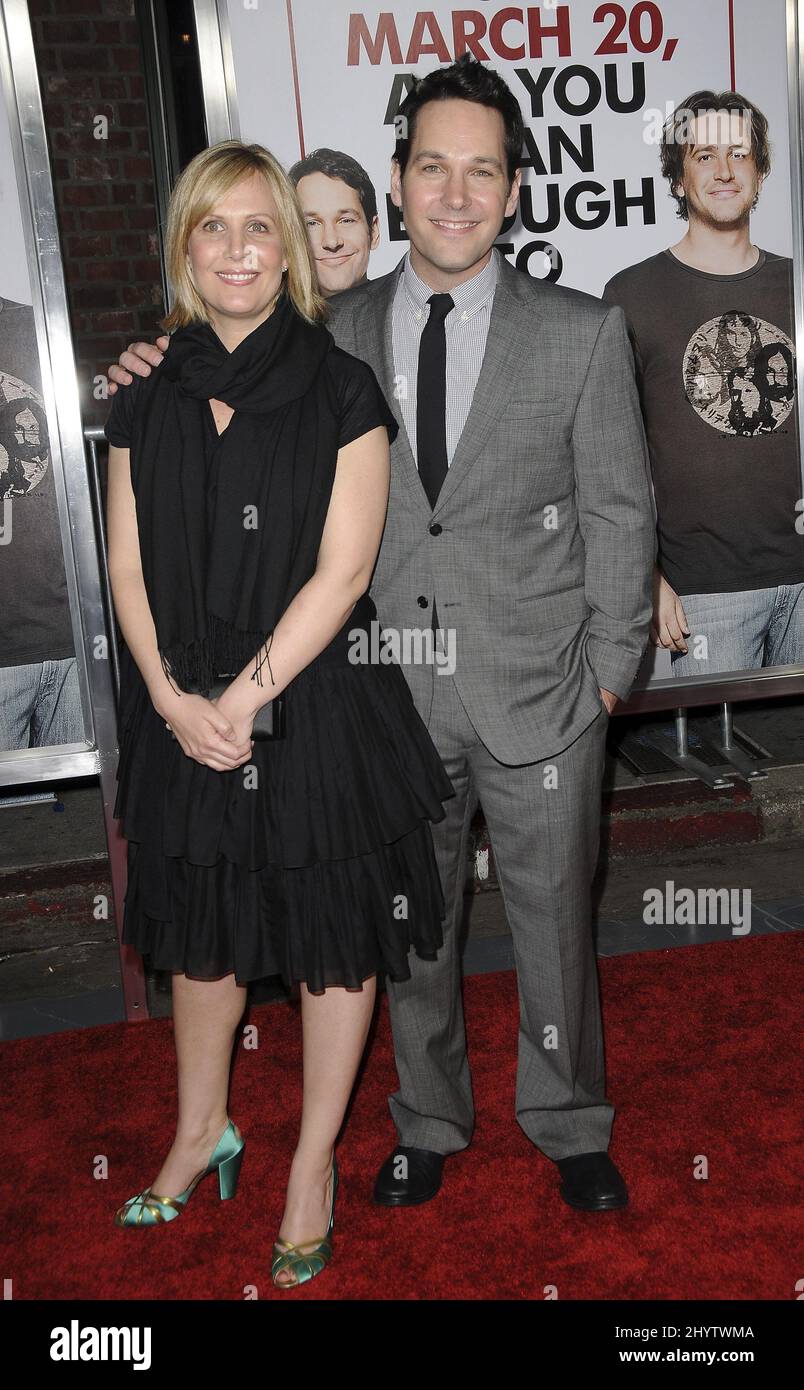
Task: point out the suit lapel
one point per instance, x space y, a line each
494 385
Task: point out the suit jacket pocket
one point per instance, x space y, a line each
541 612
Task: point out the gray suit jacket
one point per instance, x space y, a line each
540 549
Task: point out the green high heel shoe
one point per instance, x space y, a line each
306 1266
146 1209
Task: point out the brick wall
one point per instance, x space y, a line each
90 64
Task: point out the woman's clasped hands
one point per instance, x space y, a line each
208 731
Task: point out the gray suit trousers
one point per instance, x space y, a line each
544 824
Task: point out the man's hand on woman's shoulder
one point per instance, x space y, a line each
137 360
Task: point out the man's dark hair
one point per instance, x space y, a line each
468 80
762 371
675 137
337 165
762 420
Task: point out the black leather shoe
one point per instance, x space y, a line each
592 1182
422 1182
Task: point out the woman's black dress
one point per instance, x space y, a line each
322 872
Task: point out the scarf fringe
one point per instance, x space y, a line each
226 650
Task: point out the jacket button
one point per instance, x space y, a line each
435 529
422 601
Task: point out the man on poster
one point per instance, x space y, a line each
711 324
40 699
339 203
520 517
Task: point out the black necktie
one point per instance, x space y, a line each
431 398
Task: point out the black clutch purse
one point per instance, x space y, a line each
270 720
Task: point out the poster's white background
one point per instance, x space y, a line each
346 107
14 281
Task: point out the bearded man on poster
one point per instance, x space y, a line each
521 519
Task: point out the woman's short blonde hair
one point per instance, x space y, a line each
206 179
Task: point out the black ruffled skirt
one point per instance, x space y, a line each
324 872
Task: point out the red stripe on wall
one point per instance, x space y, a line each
295 66
733 80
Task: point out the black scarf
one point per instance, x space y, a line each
229 534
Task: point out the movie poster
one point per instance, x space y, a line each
596 84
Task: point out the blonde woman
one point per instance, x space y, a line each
248 485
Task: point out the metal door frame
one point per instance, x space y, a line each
82 543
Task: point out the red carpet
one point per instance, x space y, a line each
704 1058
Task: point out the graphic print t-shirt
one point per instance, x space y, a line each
35 623
715 361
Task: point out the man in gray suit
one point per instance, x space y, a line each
520 521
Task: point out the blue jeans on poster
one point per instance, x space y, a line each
40 705
743 630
